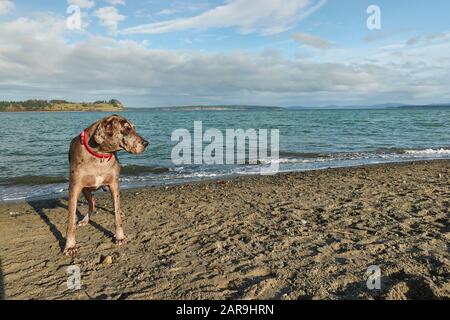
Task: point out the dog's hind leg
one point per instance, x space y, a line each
91 201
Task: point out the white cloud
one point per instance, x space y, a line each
109 17
312 41
36 61
183 7
83 4
429 38
6 6
263 16
166 12
116 2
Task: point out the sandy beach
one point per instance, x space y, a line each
309 235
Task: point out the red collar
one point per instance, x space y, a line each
84 142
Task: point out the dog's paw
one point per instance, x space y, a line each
83 222
71 251
120 242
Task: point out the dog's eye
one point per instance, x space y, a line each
126 130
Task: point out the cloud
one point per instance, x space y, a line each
166 12
428 38
265 17
83 4
383 34
312 41
6 6
116 2
184 7
109 17
37 62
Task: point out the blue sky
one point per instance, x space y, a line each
268 52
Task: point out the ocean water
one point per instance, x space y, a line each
34 146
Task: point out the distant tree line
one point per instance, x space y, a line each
24 105
38 105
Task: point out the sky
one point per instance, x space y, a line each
153 53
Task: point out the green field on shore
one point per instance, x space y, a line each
60 105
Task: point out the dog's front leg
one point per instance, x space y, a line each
74 192
115 194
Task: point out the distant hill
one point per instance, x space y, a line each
215 108
60 105
442 105
376 106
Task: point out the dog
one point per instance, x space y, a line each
94 164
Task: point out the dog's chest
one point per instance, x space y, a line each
96 181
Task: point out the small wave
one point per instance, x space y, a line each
32 180
383 151
429 152
202 175
14 198
287 160
304 155
136 170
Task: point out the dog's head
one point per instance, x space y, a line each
114 133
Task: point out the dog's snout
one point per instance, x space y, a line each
145 143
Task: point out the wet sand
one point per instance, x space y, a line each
309 235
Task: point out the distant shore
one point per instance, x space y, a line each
59 111
306 235
116 106
113 105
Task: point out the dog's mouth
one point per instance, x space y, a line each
142 147
136 148
129 149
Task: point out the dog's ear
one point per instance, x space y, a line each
100 132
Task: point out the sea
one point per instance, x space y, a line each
34 145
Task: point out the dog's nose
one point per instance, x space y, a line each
145 143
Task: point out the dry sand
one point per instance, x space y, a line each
305 235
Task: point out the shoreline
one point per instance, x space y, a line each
60 111
303 235
208 179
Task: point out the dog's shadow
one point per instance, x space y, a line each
42 206
2 290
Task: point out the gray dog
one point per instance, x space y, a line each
94 164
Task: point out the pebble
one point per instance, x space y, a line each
107 261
